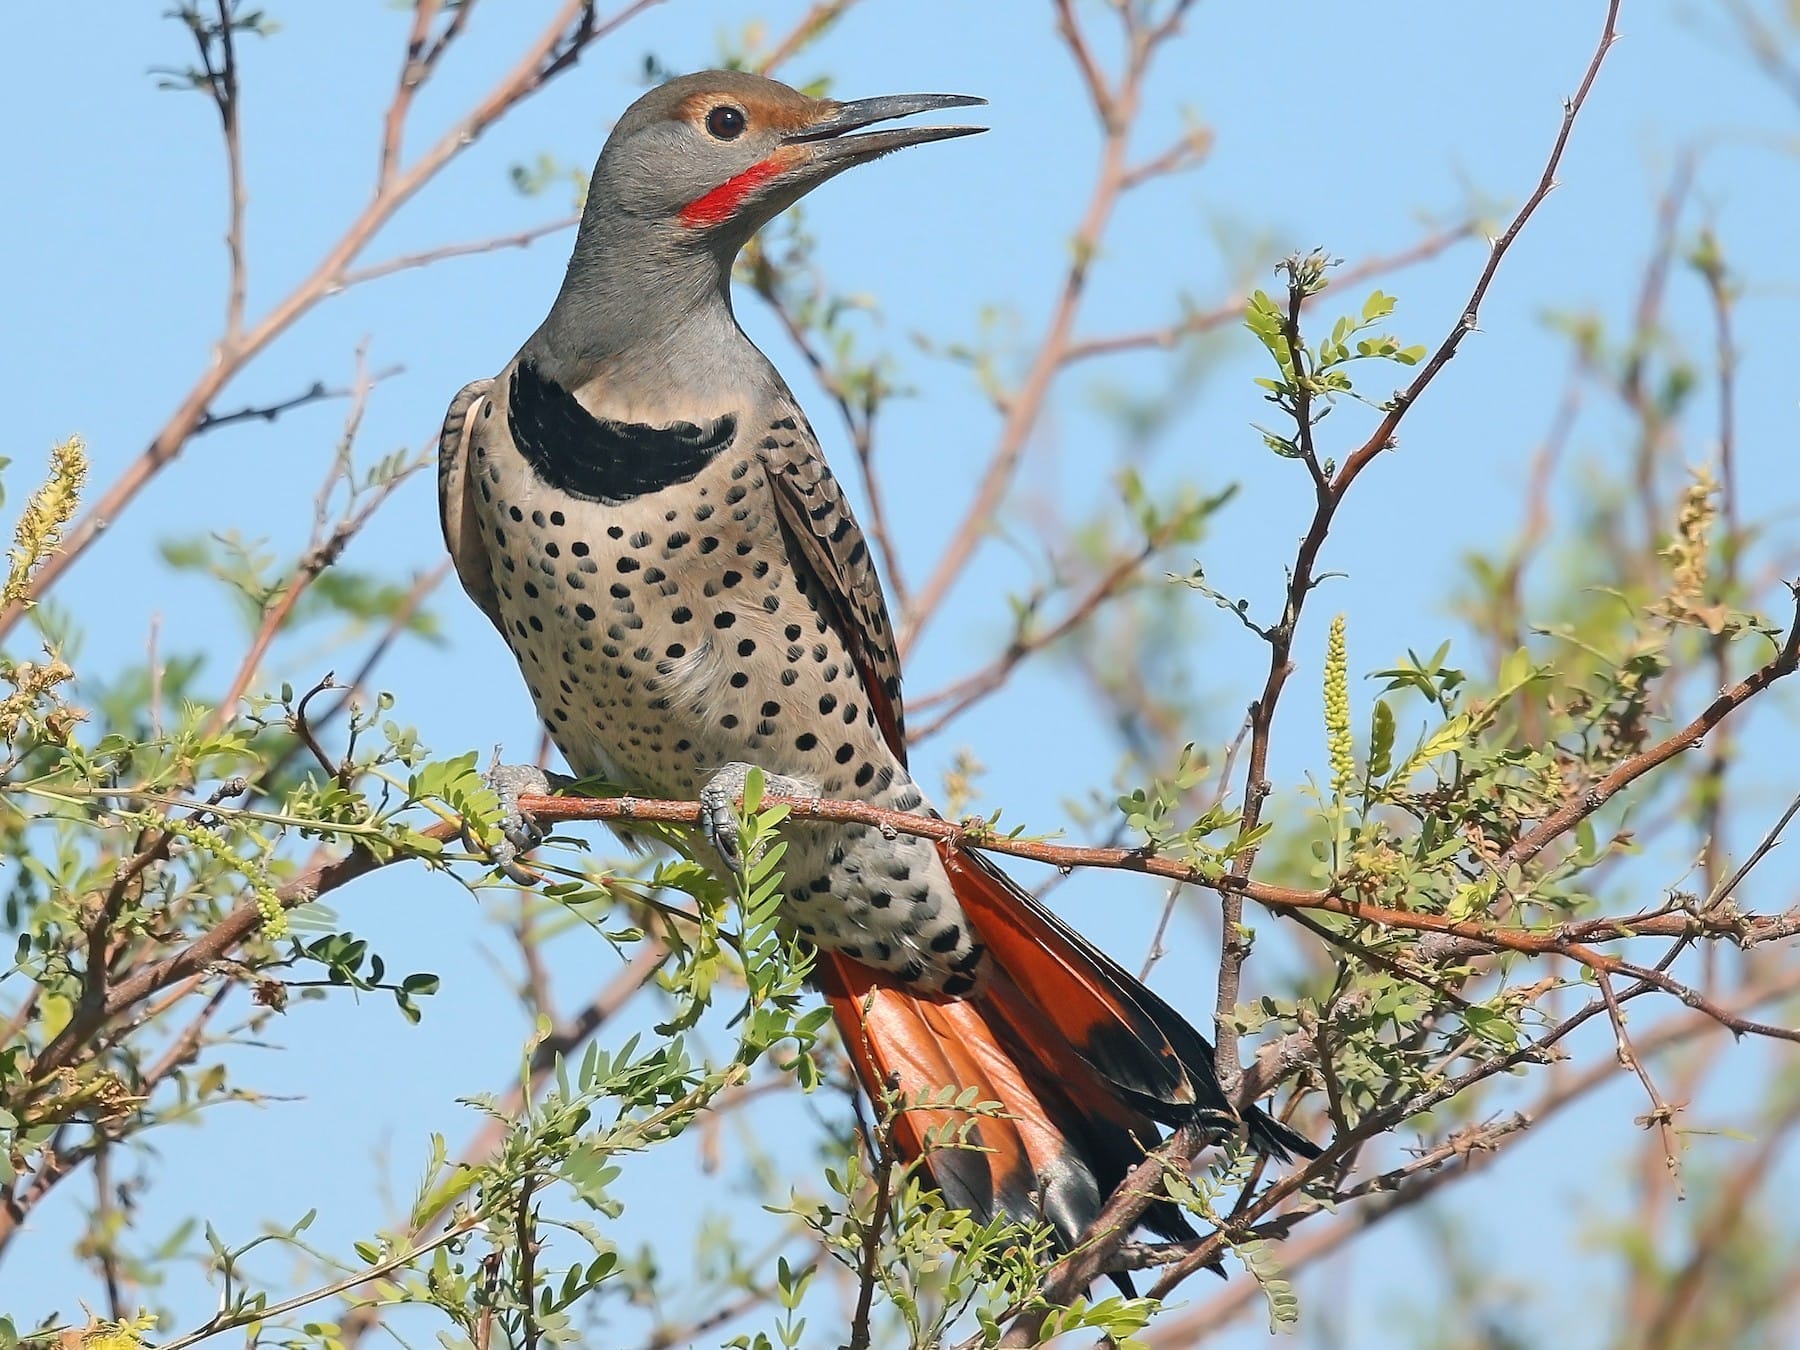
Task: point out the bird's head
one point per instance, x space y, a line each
716 155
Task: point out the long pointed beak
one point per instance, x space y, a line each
829 144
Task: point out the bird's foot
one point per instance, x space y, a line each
519 834
719 800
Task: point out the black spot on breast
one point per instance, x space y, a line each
596 458
969 959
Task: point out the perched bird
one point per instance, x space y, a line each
638 504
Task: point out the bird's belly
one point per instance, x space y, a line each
672 635
666 637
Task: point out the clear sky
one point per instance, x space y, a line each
1340 126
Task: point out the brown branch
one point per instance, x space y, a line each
808 29
1383 437
1567 816
415 69
425 257
554 49
197 957
1573 940
870 1254
397 623
1098 88
1733 1204
268 412
326 548
1118 109
1662 1115
565 1038
1231 311
225 91
1378 1204
971 689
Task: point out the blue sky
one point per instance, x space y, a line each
1344 127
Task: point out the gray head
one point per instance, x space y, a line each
712 157
691 171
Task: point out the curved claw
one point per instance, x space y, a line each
719 800
519 834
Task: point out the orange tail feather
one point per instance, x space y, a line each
1083 1058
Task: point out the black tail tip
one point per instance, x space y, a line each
1278 1141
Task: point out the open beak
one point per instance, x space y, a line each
829 144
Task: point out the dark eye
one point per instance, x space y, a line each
726 122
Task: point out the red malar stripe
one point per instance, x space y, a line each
721 204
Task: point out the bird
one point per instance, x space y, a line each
640 507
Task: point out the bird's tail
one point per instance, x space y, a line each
1084 1060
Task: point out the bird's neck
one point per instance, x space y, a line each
643 325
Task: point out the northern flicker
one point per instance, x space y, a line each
639 505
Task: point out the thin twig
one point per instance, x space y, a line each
1231 311
570 31
468 248
810 26
1118 109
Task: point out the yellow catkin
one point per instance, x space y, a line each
1690 549
1337 710
268 900
50 508
124 1335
